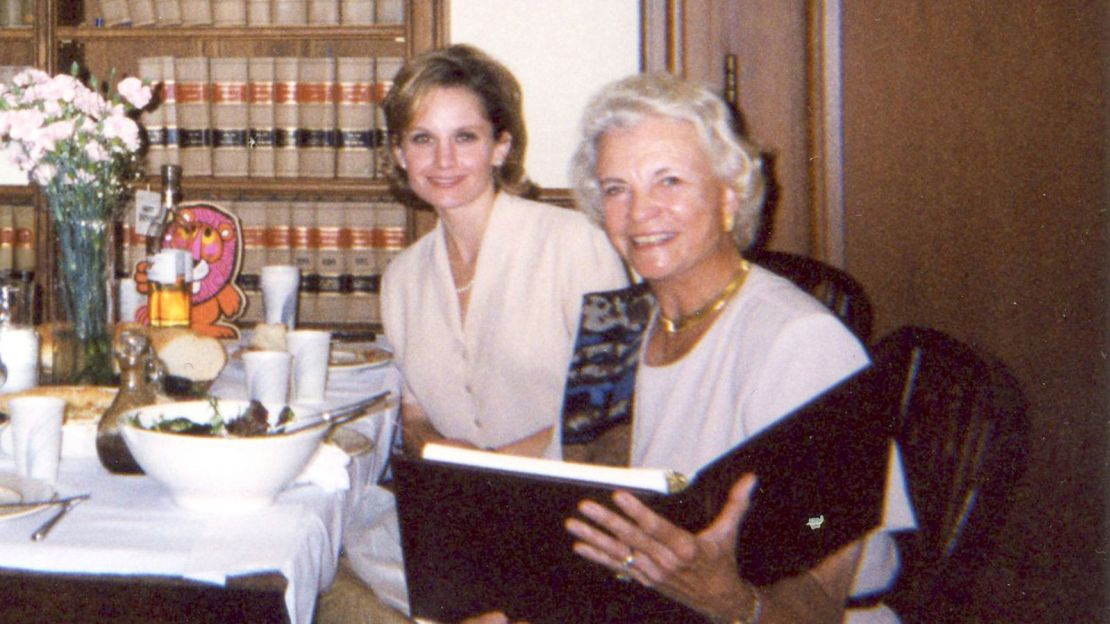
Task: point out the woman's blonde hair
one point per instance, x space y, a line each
491 82
624 103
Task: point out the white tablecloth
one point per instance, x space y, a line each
130 526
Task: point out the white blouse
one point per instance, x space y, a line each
499 377
771 350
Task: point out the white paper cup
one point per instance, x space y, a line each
19 350
280 283
268 376
37 436
311 350
130 300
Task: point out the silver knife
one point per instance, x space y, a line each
43 503
42 531
339 415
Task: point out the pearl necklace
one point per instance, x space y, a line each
674 326
465 287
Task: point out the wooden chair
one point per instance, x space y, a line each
838 290
961 432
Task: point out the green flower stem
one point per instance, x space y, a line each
83 218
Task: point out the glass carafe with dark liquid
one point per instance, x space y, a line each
141 375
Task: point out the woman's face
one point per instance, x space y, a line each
449 151
663 203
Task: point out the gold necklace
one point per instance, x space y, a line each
674 326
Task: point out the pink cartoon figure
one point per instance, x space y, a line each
214 239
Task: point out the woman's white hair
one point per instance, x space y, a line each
624 103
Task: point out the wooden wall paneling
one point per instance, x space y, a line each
976 192
770 39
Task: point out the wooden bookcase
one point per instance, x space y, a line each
65 31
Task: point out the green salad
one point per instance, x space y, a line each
253 422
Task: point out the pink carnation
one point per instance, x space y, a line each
135 92
24 123
123 128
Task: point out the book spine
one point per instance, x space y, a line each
258 13
142 12
252 218
278 233
331 307
134 244
385 68
229 13
153 118
252 222
286 118
354 117
360 260
316 98
115 12
390 12
23 247
334 238
390 233
193 116
323 12
304 243
7 239
11 13
356 12
172 133
196 12
229 117
260 141
167 12
289 12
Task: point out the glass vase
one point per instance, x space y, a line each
84 231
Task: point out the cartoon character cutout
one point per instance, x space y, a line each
214 239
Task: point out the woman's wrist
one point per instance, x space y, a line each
747 610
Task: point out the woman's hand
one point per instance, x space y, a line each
698 570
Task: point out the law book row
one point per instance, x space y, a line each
245 13
17 240
267 117
341 247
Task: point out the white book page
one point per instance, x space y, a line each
652 479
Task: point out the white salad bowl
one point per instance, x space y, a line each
217 473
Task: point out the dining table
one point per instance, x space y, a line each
129 554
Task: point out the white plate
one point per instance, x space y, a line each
16 489
345 357
352 357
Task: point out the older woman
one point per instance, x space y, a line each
724 349
481 311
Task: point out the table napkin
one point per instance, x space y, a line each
327 469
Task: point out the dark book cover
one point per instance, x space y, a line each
478 539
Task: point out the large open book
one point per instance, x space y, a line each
483 531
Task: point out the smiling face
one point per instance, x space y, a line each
449 151
664 206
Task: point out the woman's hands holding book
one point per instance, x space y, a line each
698 570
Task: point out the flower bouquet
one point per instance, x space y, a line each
81 146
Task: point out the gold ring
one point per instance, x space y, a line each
625 574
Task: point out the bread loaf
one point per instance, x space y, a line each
187 354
